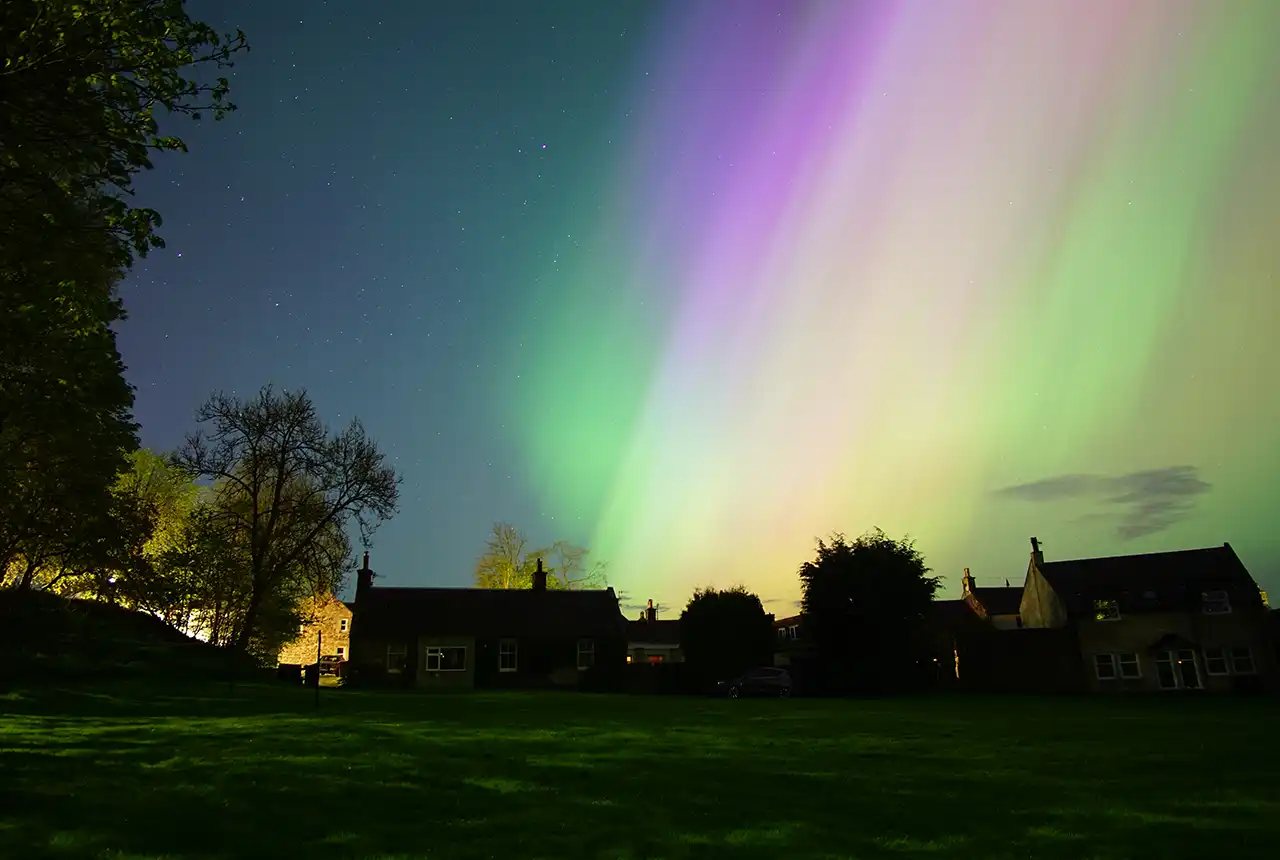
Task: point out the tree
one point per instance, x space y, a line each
725 632
80 88
284 492
505 563
863 601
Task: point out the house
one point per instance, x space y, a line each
487 638
329 619
999 606
1187 620
652 641
790 646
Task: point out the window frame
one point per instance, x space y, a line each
1231 655
1105 658
344 625
342 652
590 650
1099 606
439 655
1216 655
401 650
514 653
1208 600
1136 662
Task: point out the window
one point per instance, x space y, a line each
1241 661
343 625
1104 665
342 652
396 658
447 658
1177 670
1215 661
1106 610
782 633
507 651
793 631
586 653
1129 666
1215 603
656 658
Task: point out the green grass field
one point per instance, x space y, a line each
256 772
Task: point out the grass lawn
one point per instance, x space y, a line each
147 773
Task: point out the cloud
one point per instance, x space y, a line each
1148 502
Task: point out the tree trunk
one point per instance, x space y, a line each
250 618
28 576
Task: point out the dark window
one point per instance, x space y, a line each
447 658
396 658
586 653
507 654
1129 666
1215 602
1215 661
1241 661
1104 665
342 625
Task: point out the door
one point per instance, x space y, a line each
1178 670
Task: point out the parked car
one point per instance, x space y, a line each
764 681
331 664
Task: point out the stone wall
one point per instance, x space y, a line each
332 619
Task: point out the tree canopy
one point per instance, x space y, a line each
284 491
863 601
509 562
724 632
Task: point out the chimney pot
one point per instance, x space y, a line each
651 613
539 578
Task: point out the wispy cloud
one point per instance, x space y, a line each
1147 502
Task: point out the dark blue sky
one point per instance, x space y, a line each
364 226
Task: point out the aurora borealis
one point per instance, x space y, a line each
967 271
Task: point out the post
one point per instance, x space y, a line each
319 639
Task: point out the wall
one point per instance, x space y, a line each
1040 605
328 617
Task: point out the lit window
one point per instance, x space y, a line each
396 658
1105 666
507 655
450 658
1106 610
1241 661
1129 667
656 658
343 624
586 653
1215 603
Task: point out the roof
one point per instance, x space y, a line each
789 621
654 632
1155 582
490 612
1000 601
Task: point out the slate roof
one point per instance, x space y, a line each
1155 582
490 612
654 632
999 601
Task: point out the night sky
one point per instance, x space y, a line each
692 284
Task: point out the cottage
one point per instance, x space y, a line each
1186 620
652 641
476 637
327 625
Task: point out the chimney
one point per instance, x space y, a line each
651 614
364 579
966 582
1036 555
539 578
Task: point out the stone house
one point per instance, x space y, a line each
1186 620
329 618
652 641
487 638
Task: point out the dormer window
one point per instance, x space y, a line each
1106 610
1215 603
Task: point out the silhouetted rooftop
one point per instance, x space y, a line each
490 612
